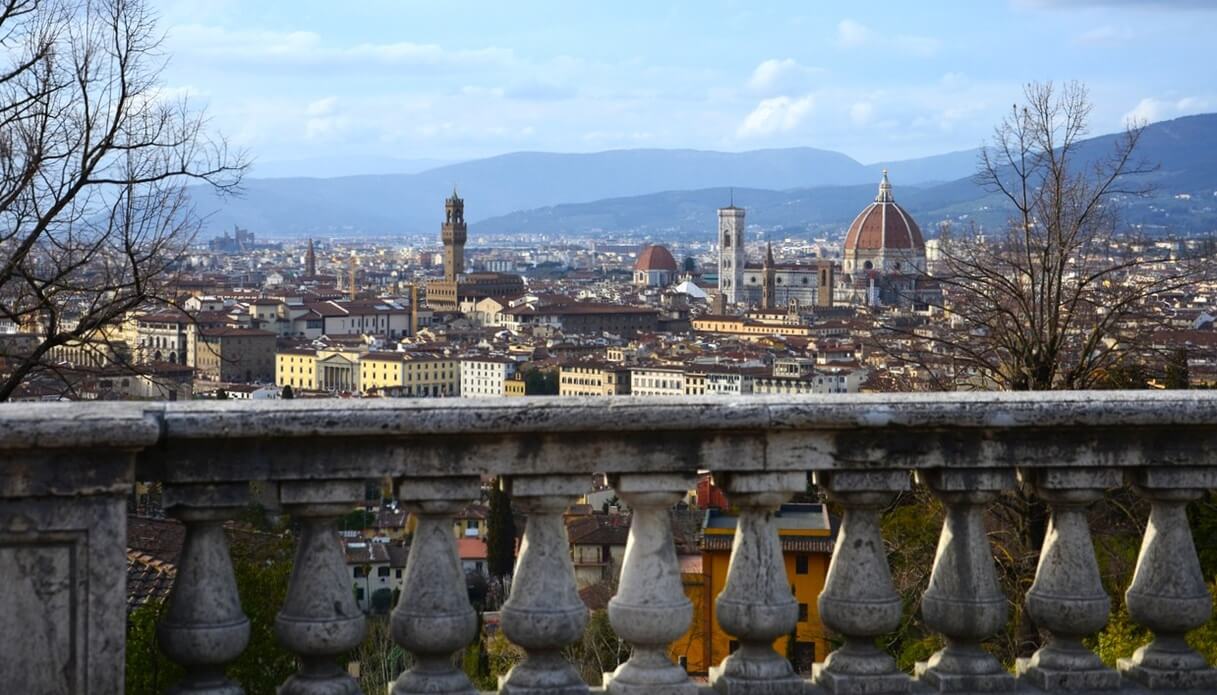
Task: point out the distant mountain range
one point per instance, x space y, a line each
675 192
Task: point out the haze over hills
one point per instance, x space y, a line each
676 191
408 203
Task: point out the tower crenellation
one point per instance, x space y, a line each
453 233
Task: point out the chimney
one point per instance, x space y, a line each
413 310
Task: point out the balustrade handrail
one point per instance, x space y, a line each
66 470
1125 428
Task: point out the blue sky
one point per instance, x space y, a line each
876 80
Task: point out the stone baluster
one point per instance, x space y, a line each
433 618
544 612
756 606
320 621
1168 594
203 628
650 609
964 601
1067 598
859 600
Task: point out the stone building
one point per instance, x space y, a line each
884 256
235 354
655 267
457 286
741 282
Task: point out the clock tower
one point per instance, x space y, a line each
453 234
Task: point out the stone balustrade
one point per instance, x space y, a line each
67 469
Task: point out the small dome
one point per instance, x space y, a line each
655 258
884 225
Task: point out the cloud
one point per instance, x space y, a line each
1151 109
536 90
862 112
776 115
854 34
781 76
1105 34
323 119
296 48
322 107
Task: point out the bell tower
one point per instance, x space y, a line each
453 234
731 258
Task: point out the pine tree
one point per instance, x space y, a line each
1177 376
500 535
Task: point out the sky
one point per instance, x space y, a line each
878 80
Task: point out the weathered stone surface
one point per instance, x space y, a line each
433 618
964 601
1067 598
66 468
859 600
650 609
756 606
1168 594
320 620
203 628
544 612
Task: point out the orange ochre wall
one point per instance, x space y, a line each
705 644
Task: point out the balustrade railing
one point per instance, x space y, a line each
66 471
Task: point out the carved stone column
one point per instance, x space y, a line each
203 628
433 618
1067 597
544 612
650 609
1168 594
320 621
859 600
756 605
964 602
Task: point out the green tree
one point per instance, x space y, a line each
690 264
262 565
287 393
221 395
1177 376
500 535
538 382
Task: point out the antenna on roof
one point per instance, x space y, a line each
732 189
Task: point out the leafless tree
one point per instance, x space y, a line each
1062 292
95 157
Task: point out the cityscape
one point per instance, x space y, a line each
715 408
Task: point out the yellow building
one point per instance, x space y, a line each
807 548
514 387
747 327
296 368
409 375
379 370
593 379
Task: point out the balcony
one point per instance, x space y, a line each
66 471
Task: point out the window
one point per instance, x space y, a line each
398 575
360 571
359 593
802 612
382 571
800 564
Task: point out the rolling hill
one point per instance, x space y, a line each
676 191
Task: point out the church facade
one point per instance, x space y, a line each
883 264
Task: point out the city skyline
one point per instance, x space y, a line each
384 80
